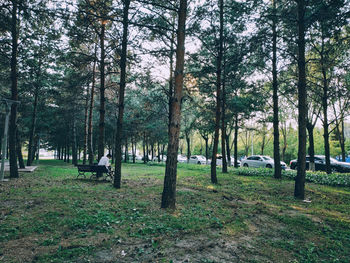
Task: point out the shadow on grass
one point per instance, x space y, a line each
87 181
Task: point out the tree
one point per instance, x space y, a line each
276 136
169 190
299 190
14 91
117 177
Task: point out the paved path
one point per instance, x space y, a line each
28 169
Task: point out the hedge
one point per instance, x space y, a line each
334 179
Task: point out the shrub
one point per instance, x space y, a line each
334 179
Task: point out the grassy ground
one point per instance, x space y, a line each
50 216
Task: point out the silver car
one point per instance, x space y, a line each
198 159
219 161
260 161
181 158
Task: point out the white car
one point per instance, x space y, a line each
260 161
219 161
233 161
198 159
138 157
155 158
181 158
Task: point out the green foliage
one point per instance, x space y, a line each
318 177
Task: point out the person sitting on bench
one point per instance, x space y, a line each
104 161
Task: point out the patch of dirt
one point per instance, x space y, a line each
25 249
182 249
184 189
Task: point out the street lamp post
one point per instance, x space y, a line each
8 104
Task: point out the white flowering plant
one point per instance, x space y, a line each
318 177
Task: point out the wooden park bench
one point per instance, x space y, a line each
95 170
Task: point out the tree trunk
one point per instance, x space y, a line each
19 152
188 142
158 148
101 126
74 142
118 138
147 150
133 150
32 128
276 135
325 117
342 140
65 152
169 190
86 125
228 151
206 139
235 143
38 148
171 73
284 148
68 153
310 129
126 151
223 121
144 148
152 151
91 109
299 190
214 179
163 146
14 93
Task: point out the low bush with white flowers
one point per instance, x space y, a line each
318 177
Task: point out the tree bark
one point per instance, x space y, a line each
169 190
144 148
74 141
101 126
276 135
86 125
206 139
19 151
299 190
91 109
158 149
126 151
310 129
228 151
188 142
14 93
171 74
325 114
32 128
342 140
213 176
235 143
118 138
223 121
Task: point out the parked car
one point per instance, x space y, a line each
198 159
233 161
181 158
320 164
219 161
138 157
260 161
148 158
155 158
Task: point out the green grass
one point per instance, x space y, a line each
50 216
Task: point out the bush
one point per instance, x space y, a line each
334 179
